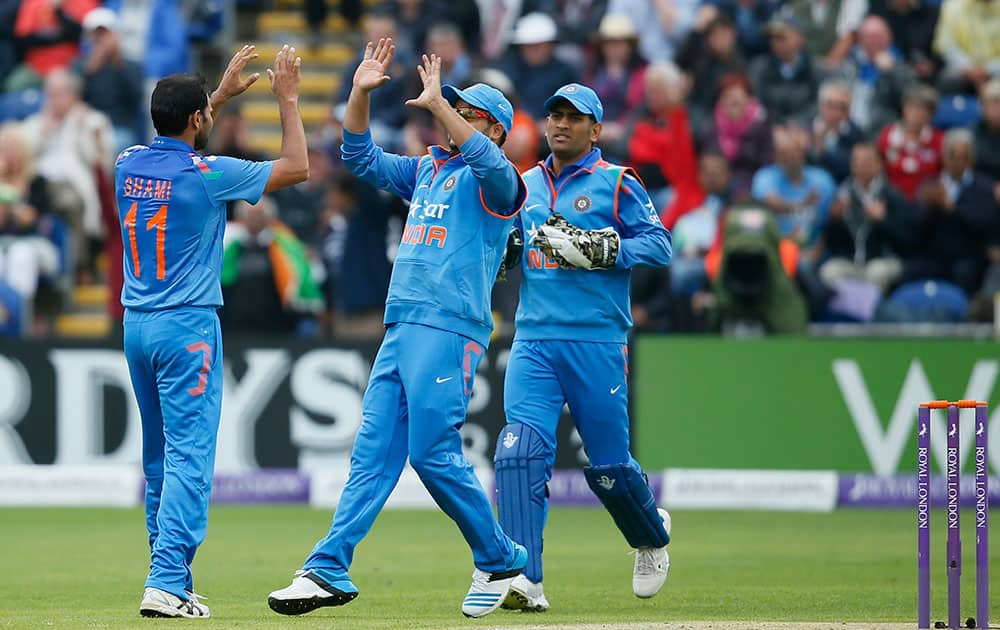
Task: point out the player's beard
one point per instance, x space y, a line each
201 139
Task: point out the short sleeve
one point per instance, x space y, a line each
232 179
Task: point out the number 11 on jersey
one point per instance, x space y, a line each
158 222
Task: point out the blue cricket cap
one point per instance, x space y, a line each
484 97
584 99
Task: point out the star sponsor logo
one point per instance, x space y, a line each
653 216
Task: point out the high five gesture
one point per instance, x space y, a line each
430 75
233 83
373 71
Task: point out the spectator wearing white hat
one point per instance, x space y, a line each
618 76
663 24
532 65
112 84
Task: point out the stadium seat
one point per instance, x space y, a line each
956 110
20 104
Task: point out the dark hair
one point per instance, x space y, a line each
174 99
732 79
719 21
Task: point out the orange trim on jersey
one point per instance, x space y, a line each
436 164
618 187
513 214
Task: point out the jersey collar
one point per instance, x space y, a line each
587 163
440 154
171 144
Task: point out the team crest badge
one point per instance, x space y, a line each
581 203
449 183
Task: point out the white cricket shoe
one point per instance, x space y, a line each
308 591
158 603
651 565
489 590
525 595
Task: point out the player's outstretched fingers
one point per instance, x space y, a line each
377 53
385 52
279 59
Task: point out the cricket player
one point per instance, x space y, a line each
172 208
463 200
587 223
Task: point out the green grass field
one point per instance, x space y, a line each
78 568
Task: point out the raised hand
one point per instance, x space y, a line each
373 70
430 74
286 75
233 84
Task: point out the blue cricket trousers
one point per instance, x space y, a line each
175 362
592 377
415 404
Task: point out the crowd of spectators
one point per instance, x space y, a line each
75 79
867 131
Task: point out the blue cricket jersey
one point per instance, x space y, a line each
172 210
575 304
461 208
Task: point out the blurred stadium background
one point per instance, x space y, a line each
830 171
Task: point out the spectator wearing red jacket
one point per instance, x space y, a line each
661 146
911 147
48 31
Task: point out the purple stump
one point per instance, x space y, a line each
982 517
923 517
953 515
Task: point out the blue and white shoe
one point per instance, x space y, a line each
488 590
311 589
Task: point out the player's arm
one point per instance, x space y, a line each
361 156
500 182
292 166
644 240
503 189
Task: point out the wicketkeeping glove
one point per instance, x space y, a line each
511 254
574 248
